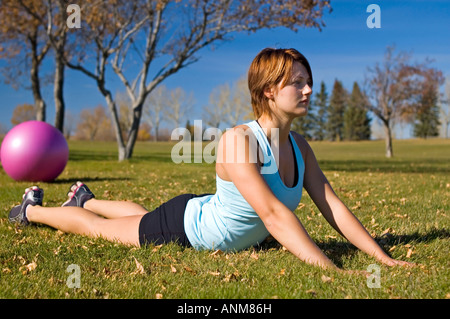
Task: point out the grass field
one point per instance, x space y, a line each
403 202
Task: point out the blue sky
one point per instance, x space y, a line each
342 50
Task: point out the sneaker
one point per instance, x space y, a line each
18 214
78 194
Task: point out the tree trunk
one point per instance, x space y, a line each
388 140
122 150
36 88
134 129
58 92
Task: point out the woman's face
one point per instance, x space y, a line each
293 98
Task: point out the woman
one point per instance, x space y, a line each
261 169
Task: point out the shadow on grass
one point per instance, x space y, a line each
387 166
336 250
79 155
86 179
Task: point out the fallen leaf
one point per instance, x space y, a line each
139 267
217 252
386 231
325 278
311 291
158 296
409 253
282 271
156 248
254 255
31 266
27 268
214 273
189 269
230 277
173 269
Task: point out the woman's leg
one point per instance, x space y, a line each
105 208
114 209
84 222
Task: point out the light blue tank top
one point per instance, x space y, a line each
225 220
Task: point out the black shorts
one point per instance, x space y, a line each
166 223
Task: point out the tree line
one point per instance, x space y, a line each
157 37
161 37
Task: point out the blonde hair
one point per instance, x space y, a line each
268 69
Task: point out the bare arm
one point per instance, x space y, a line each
281 223
335 211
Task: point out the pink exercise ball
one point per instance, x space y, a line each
34 151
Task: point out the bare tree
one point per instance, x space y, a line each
22 113
444 108
394 88
229 105
94 124
70 124
23 43
178 104
168 35
153 108
46 23
214 113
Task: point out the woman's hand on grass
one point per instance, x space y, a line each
394 262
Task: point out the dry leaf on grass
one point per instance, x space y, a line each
173 269
326 278
139 267
409 253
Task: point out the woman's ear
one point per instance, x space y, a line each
268 93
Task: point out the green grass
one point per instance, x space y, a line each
403 202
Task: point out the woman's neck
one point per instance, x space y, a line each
283 126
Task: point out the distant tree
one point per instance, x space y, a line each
394 88
305 125
229 104
338 103
3 130
153 108
144 132
214 113
94 124
22 113
49 19
177 106
427 123
320 103
70 124
356 119
444 109
23 45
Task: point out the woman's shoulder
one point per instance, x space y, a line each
239 131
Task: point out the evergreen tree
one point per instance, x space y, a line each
427 118
338 103
321 107
304 125
356 120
